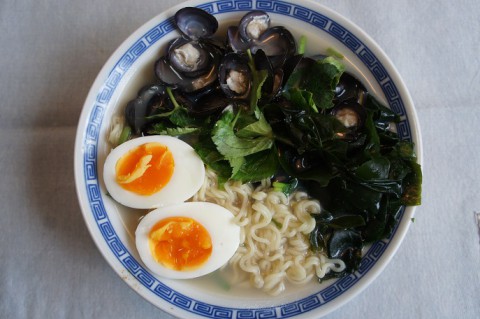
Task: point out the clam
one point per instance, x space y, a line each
349 101
191 61
204 103
212 103
349 88
150 100
350 114
195 23
276 41
235 76
253 25
173 71
235 41
190 57
270 46
254 33
273 83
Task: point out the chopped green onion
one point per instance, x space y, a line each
125 135
302 44
334 53
286 188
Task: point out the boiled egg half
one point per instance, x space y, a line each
153 171
187 240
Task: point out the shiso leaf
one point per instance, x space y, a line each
230 145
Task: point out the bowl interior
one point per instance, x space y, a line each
113 225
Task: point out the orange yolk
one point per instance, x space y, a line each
145 169
180 243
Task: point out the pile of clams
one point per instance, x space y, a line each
206 74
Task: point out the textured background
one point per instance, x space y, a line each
50 53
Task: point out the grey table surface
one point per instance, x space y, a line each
50 54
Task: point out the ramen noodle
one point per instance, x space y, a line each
274 244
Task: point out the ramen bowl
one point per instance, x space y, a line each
112 226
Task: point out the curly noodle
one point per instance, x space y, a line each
274 245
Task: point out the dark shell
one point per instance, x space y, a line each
195 23
277 82
197 95
349 88
166 73
234 76
189 82
253 25
150 100
262 62
201 104
189 57
278 61
209 104
273 83
235 41
276 41
351 114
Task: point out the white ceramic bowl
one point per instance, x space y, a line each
112 226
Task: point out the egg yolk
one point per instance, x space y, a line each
145 169
180 243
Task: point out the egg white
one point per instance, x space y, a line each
217 220
186 180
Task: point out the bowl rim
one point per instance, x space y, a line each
89 112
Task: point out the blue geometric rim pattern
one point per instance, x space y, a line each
91 135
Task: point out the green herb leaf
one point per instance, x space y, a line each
302 99
255 129
322 80
180 117
162 129
258 78
236 163
257 166
209 154
230 145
